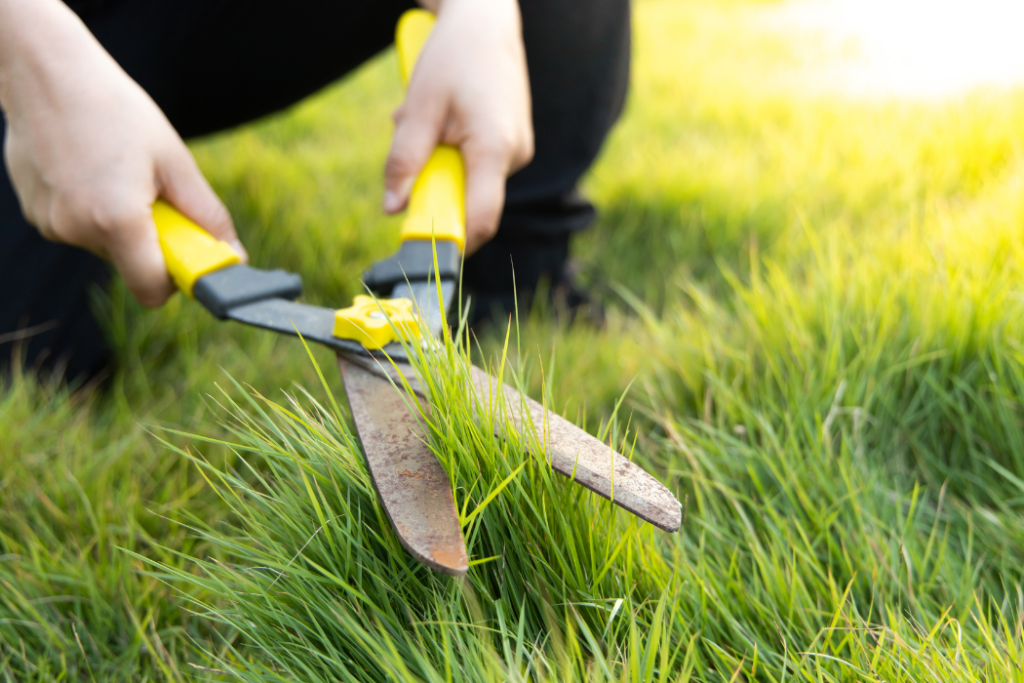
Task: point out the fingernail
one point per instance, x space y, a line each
391 203
239 249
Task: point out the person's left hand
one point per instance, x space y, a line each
469 89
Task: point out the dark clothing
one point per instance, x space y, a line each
214 64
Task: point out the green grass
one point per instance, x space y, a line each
817 301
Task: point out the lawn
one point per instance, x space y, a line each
815 302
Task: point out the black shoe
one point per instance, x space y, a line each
560 296
529 259
573 301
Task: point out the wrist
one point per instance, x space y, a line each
490 6
40 40
433 6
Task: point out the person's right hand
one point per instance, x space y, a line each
470 88
89 152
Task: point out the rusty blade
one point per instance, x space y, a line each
571 451
579 456
413 486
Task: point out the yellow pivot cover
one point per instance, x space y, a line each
375 323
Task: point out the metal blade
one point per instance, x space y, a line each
314 323
412 485
424 294
579 456
570 450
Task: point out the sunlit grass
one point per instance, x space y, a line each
817 300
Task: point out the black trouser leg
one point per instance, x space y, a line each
214 64
578 54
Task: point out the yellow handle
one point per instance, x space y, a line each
190 251
437 203
411 34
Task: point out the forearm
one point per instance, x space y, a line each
431 5
39 40
504 10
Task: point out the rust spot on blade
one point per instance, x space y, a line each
412 485
453 556
590 463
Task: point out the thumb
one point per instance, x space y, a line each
417 131
181 183
137 256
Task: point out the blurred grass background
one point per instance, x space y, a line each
818 298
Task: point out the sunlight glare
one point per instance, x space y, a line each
925 48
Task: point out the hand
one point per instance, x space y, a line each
89 152
470 89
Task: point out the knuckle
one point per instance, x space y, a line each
486 151
218 219
151 297
501 146
485 230
110 218
151 285
505 144
70 215
511 140
490 230
526 150
36 211
399 165
222 217
147 298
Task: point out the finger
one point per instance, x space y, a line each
418 124
524 150
181 183
486 172
137 256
